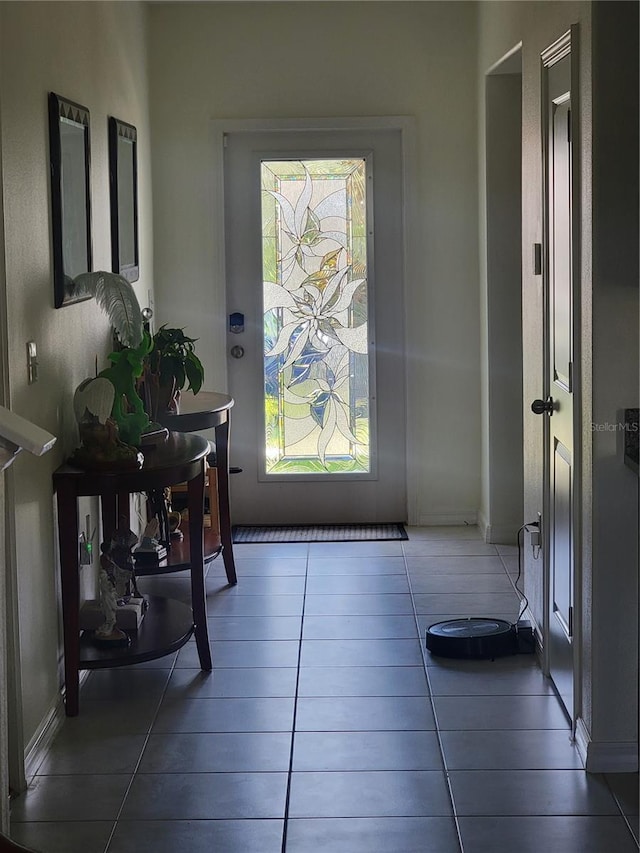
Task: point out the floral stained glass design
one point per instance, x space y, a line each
316 354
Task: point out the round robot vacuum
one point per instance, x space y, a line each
475 637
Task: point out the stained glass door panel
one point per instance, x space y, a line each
317 377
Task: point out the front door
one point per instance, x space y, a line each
560 295
313 243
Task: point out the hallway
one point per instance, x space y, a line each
318 732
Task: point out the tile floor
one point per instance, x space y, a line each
325 727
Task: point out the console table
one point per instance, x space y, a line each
167 624
211 410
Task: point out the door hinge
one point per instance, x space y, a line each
571 621
569 126
570 376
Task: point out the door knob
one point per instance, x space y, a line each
539 407
237 351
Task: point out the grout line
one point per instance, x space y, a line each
139 761
423 652
285 824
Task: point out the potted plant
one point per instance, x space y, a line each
171 364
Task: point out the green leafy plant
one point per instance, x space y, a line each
173 359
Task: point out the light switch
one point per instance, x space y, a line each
32 362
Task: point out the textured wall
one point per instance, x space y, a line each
95 54
288 60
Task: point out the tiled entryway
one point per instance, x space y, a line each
325 727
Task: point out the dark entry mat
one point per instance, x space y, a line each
320 533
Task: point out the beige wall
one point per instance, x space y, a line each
291 60
607 548
95 54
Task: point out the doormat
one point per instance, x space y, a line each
320 533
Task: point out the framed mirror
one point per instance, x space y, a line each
123 176
69 152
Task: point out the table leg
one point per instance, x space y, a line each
195 498
224 504
70 585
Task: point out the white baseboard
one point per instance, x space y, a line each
483 525
448 519
605 756
43 738
40 743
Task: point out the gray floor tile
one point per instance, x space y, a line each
449 548
499 712
74 836
372 835
370 713
368 565
510 750
197 836
224 715
359 627
108 752
507 550
358 605
456 583
348 751
270 549
566 834
228 752
537 792
124 683
230 683
624 787
369 794
205 796
356 584
268 566
256 585
445 531
355 549
512 675
223 604
63 798
240 653
363 681
125 716
255 627
511 564
453 564
467 604
361 653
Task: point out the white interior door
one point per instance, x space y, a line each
559 334
314 270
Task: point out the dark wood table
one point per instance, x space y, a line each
167 624
202 411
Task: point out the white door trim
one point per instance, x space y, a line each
406 125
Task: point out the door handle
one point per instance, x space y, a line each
540 407
237 351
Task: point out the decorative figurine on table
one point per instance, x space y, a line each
121 546
108 634
149 552
101 447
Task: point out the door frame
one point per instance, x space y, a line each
567 44
406 125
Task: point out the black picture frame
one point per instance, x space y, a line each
123 182
70 164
